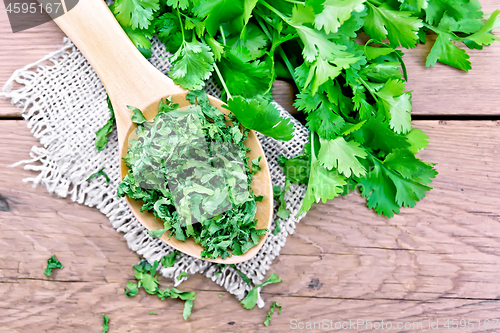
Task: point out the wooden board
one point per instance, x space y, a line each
440 90
437 261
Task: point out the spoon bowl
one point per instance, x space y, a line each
130 79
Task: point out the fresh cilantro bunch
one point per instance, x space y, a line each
353 93
190 169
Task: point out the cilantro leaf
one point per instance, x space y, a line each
271 311
462 10
217 12
334 12
181 275
396 104
325 122
169 32
262 116
250 46
295 169
181 4
407 165
417 139
99 173
246 78
376 135
387 188
484 36
323 184
135 13
105 323
398 26
192 64
448 53
52 263
342 155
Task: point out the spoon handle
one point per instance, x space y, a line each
127 76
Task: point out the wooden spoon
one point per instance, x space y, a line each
131 80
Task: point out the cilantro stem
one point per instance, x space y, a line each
274 10
223 35
288 65
180 22
263 26
374 2
295 1
372 92
223 82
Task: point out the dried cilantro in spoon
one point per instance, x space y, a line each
191 171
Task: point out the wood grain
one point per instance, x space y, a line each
436 261
440 90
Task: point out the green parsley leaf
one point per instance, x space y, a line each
181 275
52 263
99 173
251 298
105 322
137 116
188 307
256 165
147 278
152 313
102 134
157 233
271 311
170 259
131 290
295 169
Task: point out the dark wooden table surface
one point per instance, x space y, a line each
438 261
